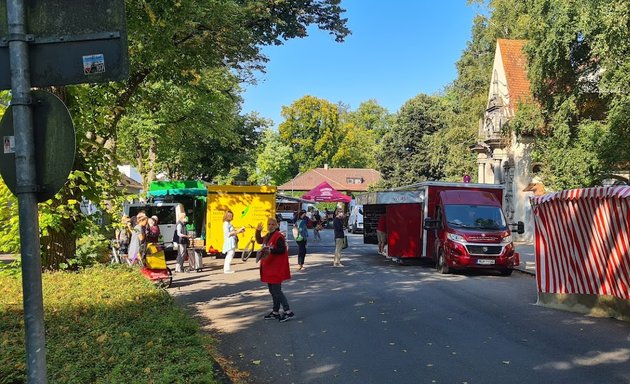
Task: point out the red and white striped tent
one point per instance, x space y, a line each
582 241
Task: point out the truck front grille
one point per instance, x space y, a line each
484 249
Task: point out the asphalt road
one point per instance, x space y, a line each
377 322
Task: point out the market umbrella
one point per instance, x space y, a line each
325 193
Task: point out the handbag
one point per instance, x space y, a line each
296 231
345 242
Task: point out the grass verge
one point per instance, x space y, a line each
105 325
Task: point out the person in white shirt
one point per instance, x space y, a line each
230 240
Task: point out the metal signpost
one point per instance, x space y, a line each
44 43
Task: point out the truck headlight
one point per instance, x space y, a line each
507 239
455 237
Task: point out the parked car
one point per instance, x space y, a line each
355 220
286 216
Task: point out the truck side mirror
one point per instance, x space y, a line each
429 223
520 227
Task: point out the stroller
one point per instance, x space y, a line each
155 268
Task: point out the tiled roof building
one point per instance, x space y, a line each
342 179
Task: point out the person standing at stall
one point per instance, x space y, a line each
182 241
317 226
339 237
137 239
230 240
381 234
274 268
153 230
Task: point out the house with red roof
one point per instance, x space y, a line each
346 180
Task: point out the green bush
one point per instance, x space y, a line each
105 325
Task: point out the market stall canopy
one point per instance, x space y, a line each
325 193
178 188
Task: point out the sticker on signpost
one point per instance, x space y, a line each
9 144
93 64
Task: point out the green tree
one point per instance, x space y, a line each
179 109
578 67
404 155
312 129
364 128
274 162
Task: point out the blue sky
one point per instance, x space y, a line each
398 49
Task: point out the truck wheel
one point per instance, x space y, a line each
441 264
506 272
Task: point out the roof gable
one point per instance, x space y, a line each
515 68
342 179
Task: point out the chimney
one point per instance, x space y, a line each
325 166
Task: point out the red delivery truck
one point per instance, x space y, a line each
456 225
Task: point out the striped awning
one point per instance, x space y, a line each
621 191
583 241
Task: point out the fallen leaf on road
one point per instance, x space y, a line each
278 355
506 362
256 362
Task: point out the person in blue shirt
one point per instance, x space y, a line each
302 227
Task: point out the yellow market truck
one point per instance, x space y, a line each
250 204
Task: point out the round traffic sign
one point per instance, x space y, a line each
55 145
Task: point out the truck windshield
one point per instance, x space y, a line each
475 216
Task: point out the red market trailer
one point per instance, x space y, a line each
456 225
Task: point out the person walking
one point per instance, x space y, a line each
339 237
181 234
381 234
230 240
274 268
301 225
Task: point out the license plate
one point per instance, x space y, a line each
485 261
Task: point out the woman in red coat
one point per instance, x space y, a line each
274 268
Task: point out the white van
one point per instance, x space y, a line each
355 220
167 214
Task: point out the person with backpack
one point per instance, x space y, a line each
181 238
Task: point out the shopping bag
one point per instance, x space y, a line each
345 242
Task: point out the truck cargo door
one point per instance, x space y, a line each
404 230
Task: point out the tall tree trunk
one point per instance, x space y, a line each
152 158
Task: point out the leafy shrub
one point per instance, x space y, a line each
105 325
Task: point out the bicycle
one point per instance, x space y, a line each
249 248
115 257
